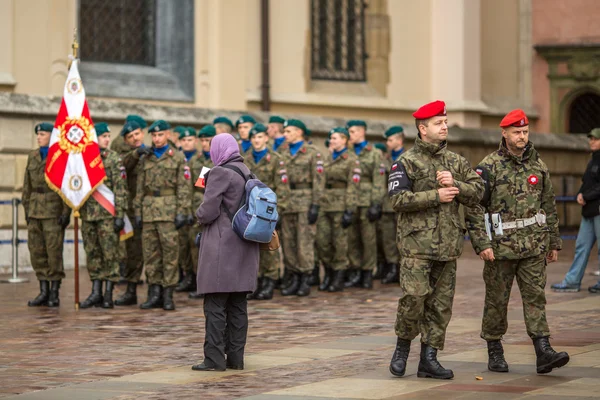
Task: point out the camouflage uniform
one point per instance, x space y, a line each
305 174
163 191
516 188
270 170
43 207
342 177
362 241
386 226
196 163
430 237
99 238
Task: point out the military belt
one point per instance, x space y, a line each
539 219
160 193
298 186
336 185
42 190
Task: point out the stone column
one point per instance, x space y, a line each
7 79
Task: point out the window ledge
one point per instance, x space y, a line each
7 79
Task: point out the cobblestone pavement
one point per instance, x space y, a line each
321 347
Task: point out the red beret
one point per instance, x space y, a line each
514 118
429 110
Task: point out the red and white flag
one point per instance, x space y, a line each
74 166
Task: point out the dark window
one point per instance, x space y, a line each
338 40
118 31
584 113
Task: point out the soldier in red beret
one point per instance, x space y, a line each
515 231
427 185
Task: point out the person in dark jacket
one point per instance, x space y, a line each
227 265
589 230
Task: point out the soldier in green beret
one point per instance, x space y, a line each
275 131
101 229
304 171
47 218
243 126
339 203
269 167
223 125
162 206
362 234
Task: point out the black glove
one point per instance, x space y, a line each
190 220
118 224
346 219
143 151
313 214
138 222
198 239
374 212
180 221
64 220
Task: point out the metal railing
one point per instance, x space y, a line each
14 242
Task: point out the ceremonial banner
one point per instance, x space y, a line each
106 198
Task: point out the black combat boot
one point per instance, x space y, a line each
546 358
367 280
337 281
95 298
392 275
496 361
380 271
429 367
107 302
53 300
168 303
304 288
187 284
326 278
352 278
195 295
398 363
128 298
252 296
314 276
154 298
266 291
293 285
42 298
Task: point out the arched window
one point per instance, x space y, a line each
584 113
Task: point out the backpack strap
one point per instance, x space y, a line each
236 169
243 200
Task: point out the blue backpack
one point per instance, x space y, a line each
256 216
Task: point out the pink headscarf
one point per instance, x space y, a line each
223 148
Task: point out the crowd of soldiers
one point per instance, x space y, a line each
359 210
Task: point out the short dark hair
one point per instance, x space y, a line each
421 122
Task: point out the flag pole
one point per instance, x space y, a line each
75 47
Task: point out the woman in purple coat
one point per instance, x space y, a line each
227 265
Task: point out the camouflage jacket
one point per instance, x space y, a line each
271 171
428 229
130 160
373 178
515 188
304 172
196 163
342 180
39 201
115 181
163 187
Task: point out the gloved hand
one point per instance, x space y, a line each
138 222
313 214
198 239
118 224
190 220
64 220
180 221
143 151
346 219
374 212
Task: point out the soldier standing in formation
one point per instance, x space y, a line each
162 206
362 244
269 167
338 205
47 218
243 126
275 131
101 229
223 125
523 238
427 185
304 171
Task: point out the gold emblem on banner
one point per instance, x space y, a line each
75 183
75 134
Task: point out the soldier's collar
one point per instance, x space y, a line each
430 147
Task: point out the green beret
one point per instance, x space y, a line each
101 128
159 126
595 133
393 130
276 119
326 142
257 128
223 120
244 119
207 131
129 127
183 131
44 126
339 129
356 122
191 130
141 121
381 147
298 124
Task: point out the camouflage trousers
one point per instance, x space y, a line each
426 303
531 278
185 250
45 242
194 251
101 244
332 241
161 253
387 246
269 264
134 261
298 243
362 242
